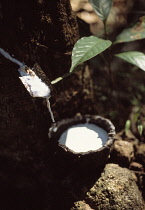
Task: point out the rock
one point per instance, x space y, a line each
140 175
115 189
140 153
136 166
122 153
81 205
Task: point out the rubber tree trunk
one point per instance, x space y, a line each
41 31
37 31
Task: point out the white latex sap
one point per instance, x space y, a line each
84 137
34 85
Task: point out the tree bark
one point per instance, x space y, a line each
32 31
37 31
40 31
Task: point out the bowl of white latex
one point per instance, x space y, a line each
88 138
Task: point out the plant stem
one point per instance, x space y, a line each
105 29
108 59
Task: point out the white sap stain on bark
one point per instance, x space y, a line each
33 84
49 109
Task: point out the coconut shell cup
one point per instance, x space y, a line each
67 159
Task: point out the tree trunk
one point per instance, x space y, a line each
37 31
40 31
32 31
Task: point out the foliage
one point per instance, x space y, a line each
86 48
136 32
133 57
127 126
140 129
102 8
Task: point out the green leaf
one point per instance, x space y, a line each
140 129
102 8
86 48
133 57
134 33
127 126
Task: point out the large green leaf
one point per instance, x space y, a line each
134 33
86 48
102 8
134 57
